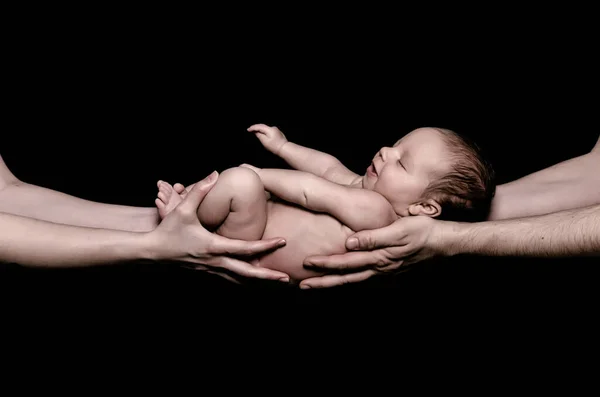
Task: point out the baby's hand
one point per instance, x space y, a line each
271 137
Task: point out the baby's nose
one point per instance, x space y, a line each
384 152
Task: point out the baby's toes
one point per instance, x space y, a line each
166 189
163 197
179 188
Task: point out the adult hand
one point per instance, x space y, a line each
180 237
382 251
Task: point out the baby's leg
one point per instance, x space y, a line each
236 206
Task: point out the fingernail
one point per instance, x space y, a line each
281 243
352 243
284 280
212 176
304 286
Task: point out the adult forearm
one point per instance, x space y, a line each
306 159
570 184
49 205
563 234
36 243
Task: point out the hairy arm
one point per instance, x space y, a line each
23 199
570 184
358 209
567 233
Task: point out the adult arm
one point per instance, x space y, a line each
303 158
568 233
570 184
27 200
566 186
33 242
179 237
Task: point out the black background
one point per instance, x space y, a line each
103 113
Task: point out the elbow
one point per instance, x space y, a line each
309 196
310 202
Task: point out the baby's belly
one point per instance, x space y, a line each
306 234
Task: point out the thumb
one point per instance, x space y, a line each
199 190
387 236
361 241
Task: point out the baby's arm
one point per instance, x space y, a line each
359 209
303 158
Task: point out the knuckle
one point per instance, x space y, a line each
381 261
368 242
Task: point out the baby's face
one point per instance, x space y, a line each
402 172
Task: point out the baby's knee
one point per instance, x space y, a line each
242 180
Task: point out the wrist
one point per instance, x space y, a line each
148 248
446 237
147 220
279 152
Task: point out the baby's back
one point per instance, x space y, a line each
307 233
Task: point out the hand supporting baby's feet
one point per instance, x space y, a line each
169 197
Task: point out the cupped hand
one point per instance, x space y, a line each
384 251
180 237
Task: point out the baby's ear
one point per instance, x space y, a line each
427 207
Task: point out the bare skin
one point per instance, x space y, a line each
554 212
248 214
321 203
40 227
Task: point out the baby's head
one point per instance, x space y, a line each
433 172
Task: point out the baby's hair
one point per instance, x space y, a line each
466 192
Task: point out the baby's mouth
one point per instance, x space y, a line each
372 170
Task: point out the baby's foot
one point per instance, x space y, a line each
179 188
167 199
